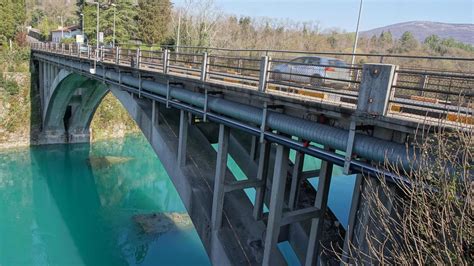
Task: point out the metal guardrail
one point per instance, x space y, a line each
419 94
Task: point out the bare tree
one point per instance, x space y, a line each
427 221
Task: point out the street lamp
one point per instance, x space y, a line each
357 34
115 9
82 20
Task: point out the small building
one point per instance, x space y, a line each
66 32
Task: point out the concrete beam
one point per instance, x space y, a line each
276 204
183 138
219 178
296 180
262 173
317 223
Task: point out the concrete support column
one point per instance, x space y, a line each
276 203
41 82
183 138
375 88
262 173
296 180
317 223
219 179
356 195
253 148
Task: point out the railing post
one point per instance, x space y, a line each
264 67
375 89
138 57
166 56
88 51
70 49
423 84
204 67
78 47
117 55
62 48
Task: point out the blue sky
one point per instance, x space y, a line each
343 13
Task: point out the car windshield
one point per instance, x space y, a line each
298 60
313 61
337 63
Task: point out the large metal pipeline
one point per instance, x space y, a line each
365 146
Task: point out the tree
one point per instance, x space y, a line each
13 15
125 20
385 40
153 20
408 42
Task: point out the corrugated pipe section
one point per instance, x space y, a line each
365 146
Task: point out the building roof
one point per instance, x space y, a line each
67 29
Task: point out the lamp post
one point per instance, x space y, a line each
115 9
82 26
354 49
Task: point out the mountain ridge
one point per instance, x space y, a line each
461 32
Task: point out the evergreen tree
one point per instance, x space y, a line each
385 39
125 20
153 20
13 15
408 42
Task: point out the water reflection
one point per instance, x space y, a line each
79 204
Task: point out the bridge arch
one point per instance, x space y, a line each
69 106
193 181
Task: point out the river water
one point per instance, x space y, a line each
107 203
82 205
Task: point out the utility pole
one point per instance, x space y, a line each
179 31
97 37
62 26
354 49
115 9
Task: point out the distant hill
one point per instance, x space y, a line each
422 29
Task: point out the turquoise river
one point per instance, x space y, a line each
105 203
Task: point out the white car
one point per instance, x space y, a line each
313 70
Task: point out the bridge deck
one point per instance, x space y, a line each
440 103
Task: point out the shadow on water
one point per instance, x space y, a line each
35 102
71 185
116 205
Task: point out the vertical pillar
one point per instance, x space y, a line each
153 119
139 57
183 138
41 83
375 88
221 166
166 55
204 67
253 148
117 55
262 173
296 180
264 67
320 203
276 203
352 218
